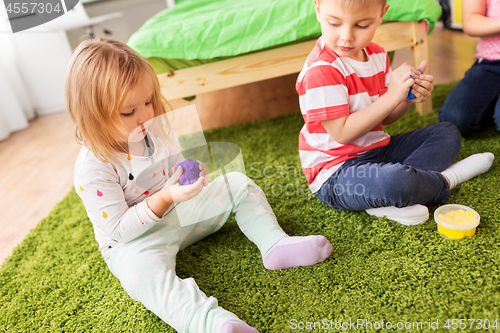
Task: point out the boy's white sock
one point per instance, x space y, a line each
410 215
468 168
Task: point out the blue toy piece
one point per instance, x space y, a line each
410 94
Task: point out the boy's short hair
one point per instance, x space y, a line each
358 3
99 79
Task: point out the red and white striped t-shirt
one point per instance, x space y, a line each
331 87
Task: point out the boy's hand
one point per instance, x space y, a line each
401 81
423 86
174 192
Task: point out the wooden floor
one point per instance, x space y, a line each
37 163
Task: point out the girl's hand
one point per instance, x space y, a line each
401 81
423 85
203 173
175 192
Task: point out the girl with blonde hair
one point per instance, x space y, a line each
112 95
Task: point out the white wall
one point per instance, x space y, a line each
43 58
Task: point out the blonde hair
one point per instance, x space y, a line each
100 76
358 3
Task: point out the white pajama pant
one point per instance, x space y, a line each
145 266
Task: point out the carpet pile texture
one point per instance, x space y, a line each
57 281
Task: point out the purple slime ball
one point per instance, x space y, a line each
190 172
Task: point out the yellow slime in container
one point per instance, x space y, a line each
459 218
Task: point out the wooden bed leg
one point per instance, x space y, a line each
420 51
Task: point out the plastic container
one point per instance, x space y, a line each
456 221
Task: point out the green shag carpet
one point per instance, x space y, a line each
57 281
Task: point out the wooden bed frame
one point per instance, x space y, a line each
285 60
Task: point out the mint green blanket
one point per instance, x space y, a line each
206 29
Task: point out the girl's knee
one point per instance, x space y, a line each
237 179
233 181
455 114
496 113
460 123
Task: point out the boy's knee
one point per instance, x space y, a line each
400 184
451 135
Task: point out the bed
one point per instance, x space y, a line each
201 46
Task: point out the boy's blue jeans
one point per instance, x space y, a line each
474 102
405 172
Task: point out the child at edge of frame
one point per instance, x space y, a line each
474 103
347 91
112 94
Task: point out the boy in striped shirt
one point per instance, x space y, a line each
347 92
